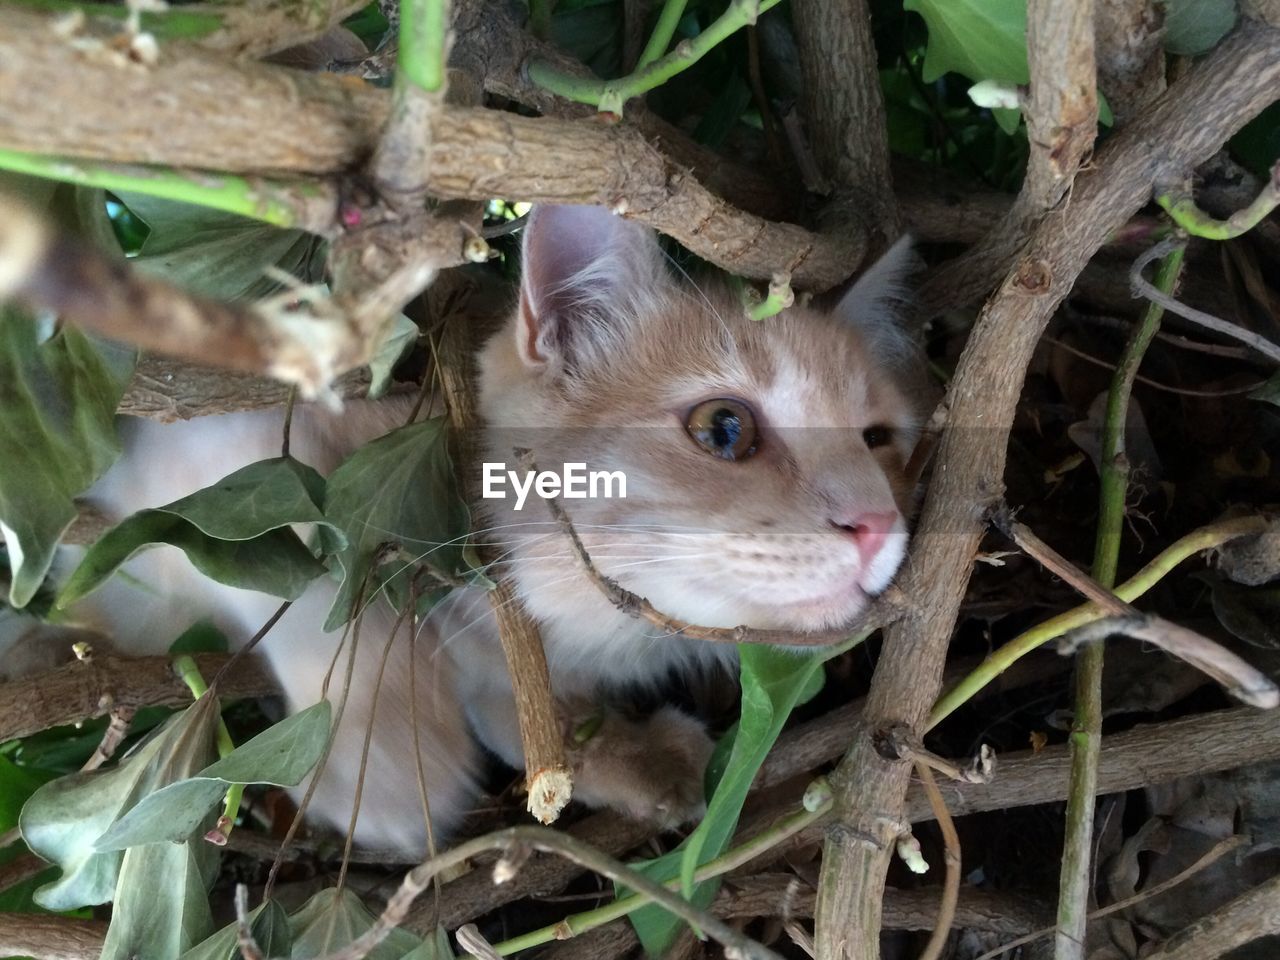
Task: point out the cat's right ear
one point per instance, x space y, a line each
588 275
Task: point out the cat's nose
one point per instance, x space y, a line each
869 532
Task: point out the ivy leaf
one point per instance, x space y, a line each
1192 27
63 819
235 532
982 39
219 255
332 919
399 490
161 904
58 398
402 336
17 783
281 755
774 682
270 927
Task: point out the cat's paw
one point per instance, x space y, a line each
650 769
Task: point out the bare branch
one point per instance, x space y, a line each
1130 55
82 690
1247 918
50 937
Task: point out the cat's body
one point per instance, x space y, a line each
764 487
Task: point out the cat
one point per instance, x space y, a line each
764 465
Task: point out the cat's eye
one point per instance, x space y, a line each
725 428
879 436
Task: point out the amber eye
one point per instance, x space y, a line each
725 428
877 437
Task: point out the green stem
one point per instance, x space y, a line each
611 95
1086 727
817 804
186 668
663 31
175 23
780 297
1182 209
421 57
304 205
1206 538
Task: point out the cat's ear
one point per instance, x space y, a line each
587 276
875 304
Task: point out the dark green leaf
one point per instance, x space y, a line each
270 926
1194 26
1250 613
219 255
403 335
281 755
235 532
161 903
58 399
332 919
399 490
1268 392
63 819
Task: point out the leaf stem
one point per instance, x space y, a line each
301 204
185 666
663 31
1182 209
779 297
1206 538
817 804
611 95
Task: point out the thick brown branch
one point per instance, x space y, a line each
50 938
1248 917
83 690
323 125
1185 126
1130 55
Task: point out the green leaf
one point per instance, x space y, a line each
270 927
161 903
281 755
774 682
398 490
58 398
1268 392
401 338
332 919
1192 27
16 785
235 532
63 819
219 255
982 39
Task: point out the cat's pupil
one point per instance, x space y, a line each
726 428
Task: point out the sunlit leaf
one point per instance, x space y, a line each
399 490
58 398
236 532
281 755
982 39
774 682
63 819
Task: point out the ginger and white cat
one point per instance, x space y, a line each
765 486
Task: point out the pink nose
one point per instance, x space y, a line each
869 532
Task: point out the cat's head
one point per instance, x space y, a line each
763 460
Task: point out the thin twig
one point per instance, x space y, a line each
1058 565
1142 288
1214 854
1156 384
1243 681
951 857
249 948
112 737
548 841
